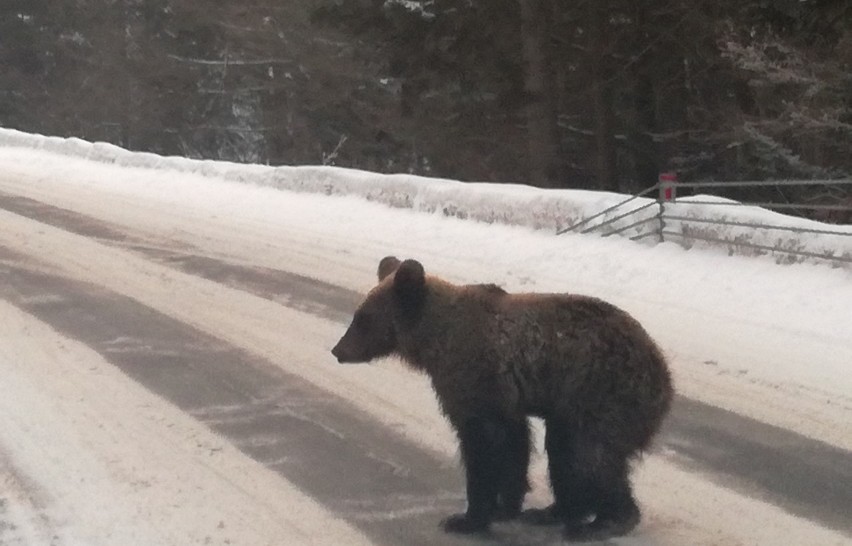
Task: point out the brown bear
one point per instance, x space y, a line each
587 368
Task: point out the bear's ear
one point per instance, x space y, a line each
388 265
409 285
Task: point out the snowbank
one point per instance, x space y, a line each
501 203
511 204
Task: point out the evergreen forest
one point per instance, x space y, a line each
597 94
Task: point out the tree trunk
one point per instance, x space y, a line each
643 149
545 161
132 57
605 162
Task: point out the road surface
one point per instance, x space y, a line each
224 358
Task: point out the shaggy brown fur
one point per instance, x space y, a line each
586 367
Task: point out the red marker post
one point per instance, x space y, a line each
668 183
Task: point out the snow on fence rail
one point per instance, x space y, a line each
512 204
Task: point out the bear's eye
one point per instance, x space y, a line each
362 320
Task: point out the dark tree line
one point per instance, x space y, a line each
607 94
586 93
246 81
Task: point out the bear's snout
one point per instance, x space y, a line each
341 354
337 353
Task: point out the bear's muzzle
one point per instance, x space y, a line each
342 355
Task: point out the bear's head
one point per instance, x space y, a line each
394 303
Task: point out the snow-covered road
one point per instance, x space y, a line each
166 377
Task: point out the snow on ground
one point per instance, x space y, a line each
681 508
772 342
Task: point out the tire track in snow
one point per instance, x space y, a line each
806 477
23 517
23 504
295 291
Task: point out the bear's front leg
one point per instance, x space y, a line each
482 446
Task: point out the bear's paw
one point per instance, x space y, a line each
464 524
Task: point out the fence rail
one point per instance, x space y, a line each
659 223
604 212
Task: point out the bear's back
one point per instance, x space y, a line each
570 349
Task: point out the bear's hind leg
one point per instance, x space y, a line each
604 492
617 513
483 442
516 461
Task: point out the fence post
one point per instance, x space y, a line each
668 192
